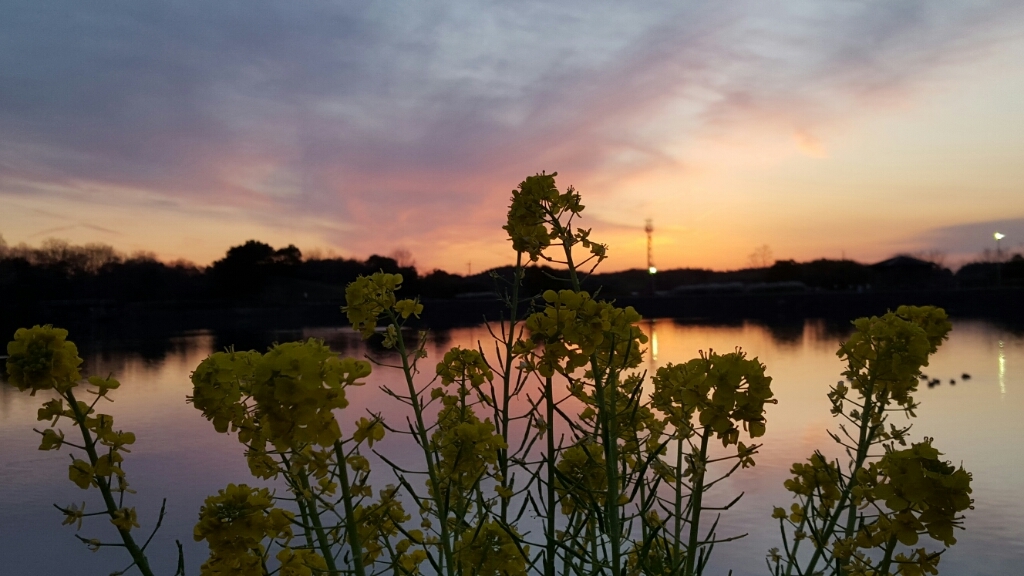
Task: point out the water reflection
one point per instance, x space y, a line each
179 457
1002 369
654 341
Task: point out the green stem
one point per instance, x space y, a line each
677 557
306 523
549 560
610 437
883 567
867 434
303 509
421 431
695 502
108 498
350 514
506 381
318 528
607 419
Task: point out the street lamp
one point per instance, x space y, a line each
999 258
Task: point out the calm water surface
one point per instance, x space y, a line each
178 456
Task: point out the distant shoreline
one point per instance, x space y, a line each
1004 305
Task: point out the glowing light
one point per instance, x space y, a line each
998 236
652 270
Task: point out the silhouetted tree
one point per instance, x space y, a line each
246 270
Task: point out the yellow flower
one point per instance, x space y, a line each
107 465
219 385
368 297
725 390
51 410
52 440
73 515
297 386
410 562
462 365
81 473
379 521
125 519
885 354
819 478
490 550
408 308
924 492
573 329
467 448
358 463
104 385
300 562
41 358
583 479
234 522
531 208
369 430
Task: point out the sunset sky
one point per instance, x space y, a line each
821 129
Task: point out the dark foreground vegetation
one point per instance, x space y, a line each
280 286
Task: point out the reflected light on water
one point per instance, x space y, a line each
1002 369
654 341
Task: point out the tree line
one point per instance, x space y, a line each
258 273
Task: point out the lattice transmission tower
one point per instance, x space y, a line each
651 268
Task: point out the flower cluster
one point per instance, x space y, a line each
220 384
370 296
885 354
464 366
922 493
380 521
535 203
723 389
534 218
466 447
234 524
490 550
300 562
574 329
582 480
818 478
108 464
100 428
652 558
294 388
41 358
297 386
636 424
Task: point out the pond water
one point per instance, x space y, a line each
178 456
